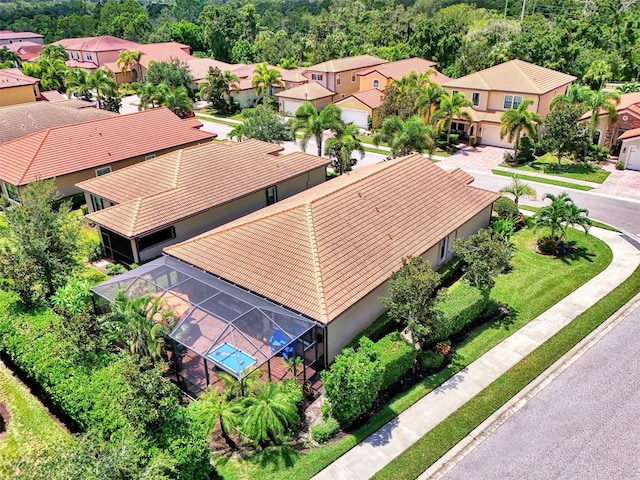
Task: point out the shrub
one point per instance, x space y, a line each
508 157
505 207
396 356
453 138
323 432
525 150
619 165
84 209
472 140
378 329
504 227
115 269
94 250
597 153
429 361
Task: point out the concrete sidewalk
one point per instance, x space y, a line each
376 451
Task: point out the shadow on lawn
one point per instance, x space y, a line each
568 253
281 455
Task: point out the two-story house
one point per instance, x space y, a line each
501 87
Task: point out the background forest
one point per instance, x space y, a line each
573 36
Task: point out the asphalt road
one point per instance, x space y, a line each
583 425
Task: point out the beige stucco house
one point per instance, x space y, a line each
290 100
9 37
193 190
501 87
381 76
327 253
17 88
361 108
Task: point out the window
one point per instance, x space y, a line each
508 101
444 244
272 195
156 237
517 101
338 79
12 192
453 92
89 56
98 203
353 77
102 171
376 83
475 97
150 156
316 76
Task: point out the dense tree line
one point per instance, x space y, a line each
598 38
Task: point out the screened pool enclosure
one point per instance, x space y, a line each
221 327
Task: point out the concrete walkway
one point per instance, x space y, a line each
376 451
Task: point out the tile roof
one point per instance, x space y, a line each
292 75
73 63
11 35
13 77
514 76
19 120
72 148
397 70
322 250
199 67
307 91
187 182
371 98
461 176
633 133
163 52
25 50
492 116
348 63
52 96
104 43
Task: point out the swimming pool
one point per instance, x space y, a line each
230 358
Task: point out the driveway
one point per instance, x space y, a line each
620 183
481 158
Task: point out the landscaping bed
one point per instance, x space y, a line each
548 164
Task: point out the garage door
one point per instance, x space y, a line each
633 161
358 117
491 136
290 106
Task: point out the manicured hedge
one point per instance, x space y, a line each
323 431
429 361
464 305
396 356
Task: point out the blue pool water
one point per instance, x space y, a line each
230 358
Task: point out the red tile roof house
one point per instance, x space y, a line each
77 152
8 37
194 190
608 131
630 149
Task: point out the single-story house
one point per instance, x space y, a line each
381 76
193 190
630 149
628 118
77 152
501 87
361 108
17 88
312 92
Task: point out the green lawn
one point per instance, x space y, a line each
548 181
595 223
549 164
216 120
535 284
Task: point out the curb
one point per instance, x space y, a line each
500 416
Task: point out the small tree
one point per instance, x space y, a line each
405 137
216 409
519 189
313 124
340 147
515 121
563 134
560 215
412 299
484 258
216 88
43 247
262 123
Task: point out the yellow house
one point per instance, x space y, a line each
341 75
312 92
360 107
16 87
381 76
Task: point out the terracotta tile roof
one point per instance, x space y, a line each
461 176
348 63
371 98
25 50
188 181
321 251
162 52
104 43
11 35
293 75
73 63
628 100
492 116
52 96
72 148
514 76
199 67
307 91
19 120
397 70
633 133
13 77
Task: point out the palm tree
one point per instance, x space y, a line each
340 147
576 95
102 81
405 137
599 102
77 83
629 87
313 124
130 60
519 189
560 215
597 74
218 409
265 78
233 83
146 93
449 108
268 413
427 99
8 58
288 63
515 121
52 73
178 101
54 52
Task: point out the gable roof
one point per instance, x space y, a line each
370 98
104 43
13 77
20 120
306 91
322 250
398 69
513 76
72 148
199 67
633 133
348 63
25 50
11 35
187 182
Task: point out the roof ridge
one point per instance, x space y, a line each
518 65
176 174
134 218
317 271
35 154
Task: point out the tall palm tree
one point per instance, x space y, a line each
561 214
77 83
233 82
515 121
519 189
576 95
405 137
102 80
450 107
52 73
313 124
599 102
54 52
130 60
597 75
340 147
265 78
428 98
146 93
215 409
178 101
268 413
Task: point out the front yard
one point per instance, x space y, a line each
549 164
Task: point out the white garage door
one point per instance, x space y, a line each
633 161
491 136
290 106
358 117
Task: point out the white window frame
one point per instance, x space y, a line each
89 57
517 100
316 76
508 102
98 203
338 79
443 249
100 172
376 83
475 98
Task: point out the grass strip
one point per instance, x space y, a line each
571 170
594 223
216 120
548 181
427 450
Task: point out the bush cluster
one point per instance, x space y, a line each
464 306
429 361
323 431
505 207
396 356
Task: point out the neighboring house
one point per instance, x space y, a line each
609 132
293 77
93 52
361 108
193 190
381 76
17 88
8 37
290 100
77 152
199 68
341 75
501 87
630 149
26 50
